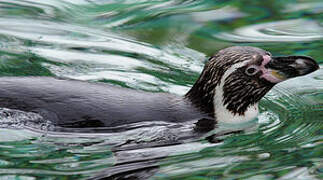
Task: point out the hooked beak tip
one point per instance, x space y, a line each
283 68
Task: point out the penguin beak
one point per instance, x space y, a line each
282 68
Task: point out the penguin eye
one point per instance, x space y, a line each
252 70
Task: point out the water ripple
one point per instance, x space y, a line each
280 31
160 46
96 55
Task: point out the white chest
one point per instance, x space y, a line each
222 114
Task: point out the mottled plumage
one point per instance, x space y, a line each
228 90
225 79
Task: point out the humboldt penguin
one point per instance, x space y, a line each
228 90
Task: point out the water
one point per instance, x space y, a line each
161 46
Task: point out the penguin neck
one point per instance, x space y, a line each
202 93
222 112
223 115
207 94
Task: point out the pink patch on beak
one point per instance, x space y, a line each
268 74
266 60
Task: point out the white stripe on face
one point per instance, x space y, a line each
222 114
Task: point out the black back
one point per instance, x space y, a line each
72 103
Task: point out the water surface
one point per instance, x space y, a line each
161 46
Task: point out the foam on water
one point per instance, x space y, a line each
160 46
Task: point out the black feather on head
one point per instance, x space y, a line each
244 74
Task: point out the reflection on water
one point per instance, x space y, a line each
282 31
161 46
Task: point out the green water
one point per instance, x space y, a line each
161 46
